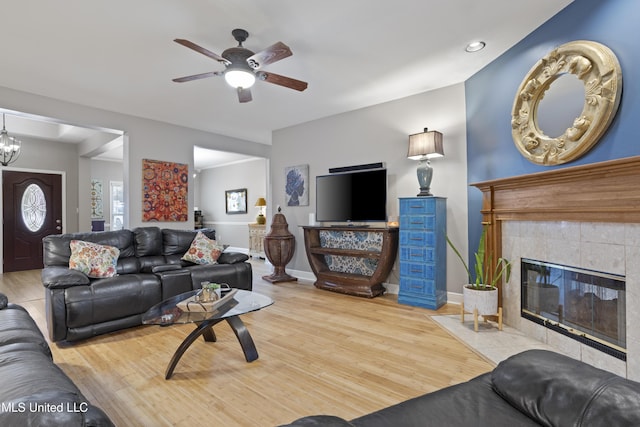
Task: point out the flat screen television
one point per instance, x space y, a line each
352 196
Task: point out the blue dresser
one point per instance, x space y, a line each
423 252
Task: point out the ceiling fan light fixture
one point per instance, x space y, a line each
244 67
239 78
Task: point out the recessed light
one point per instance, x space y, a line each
475 46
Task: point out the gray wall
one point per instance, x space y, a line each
380 134
143 139
232 229
105 171
44 156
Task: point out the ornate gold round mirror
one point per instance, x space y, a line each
598 70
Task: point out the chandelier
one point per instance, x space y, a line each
9 146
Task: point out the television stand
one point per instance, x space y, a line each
351 259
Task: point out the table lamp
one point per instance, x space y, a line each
423 147
260 204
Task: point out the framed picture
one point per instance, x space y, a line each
96 199
297 185
236 201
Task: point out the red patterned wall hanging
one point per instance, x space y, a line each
164 191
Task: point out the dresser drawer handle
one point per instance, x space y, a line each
416 271
415 222
417 239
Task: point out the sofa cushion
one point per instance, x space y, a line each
232 257
148 241
472 403
18 332
93 259
320 421
554 389
177 242
57 250
62 277
203 250
128 265
235 275
111 298
29 379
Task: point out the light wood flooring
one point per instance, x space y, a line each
320 353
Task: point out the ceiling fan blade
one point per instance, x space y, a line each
244 95
200 49
196 77
283 81
269 55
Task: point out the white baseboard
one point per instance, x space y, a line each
305 276
454 298
392 288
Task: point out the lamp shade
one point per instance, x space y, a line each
426 144
239 77
261 202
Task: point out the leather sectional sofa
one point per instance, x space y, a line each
533 388
35 391
149 269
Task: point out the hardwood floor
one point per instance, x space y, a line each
320 353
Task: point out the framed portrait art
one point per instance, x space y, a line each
236 201
297 185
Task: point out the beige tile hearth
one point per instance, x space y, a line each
491 343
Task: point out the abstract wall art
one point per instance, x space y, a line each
164 191
96 199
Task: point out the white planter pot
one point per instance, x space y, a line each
486 301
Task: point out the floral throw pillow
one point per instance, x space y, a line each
203 250
92 259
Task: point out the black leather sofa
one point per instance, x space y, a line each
150 270
35 391
532 388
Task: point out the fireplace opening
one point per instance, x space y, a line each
586 305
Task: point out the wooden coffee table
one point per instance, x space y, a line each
168 313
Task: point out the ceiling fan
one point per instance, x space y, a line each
243 67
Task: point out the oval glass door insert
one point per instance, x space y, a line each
34 207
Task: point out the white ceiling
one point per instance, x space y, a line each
119 55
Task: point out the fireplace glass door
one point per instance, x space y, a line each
583 304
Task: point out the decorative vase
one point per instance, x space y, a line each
485 300
279 245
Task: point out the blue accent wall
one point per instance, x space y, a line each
490 93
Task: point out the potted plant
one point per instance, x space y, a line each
209 292
482 293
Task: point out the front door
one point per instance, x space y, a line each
32 209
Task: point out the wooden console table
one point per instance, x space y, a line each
351 260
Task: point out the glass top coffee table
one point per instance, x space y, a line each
168 313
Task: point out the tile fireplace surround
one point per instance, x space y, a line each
582 216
